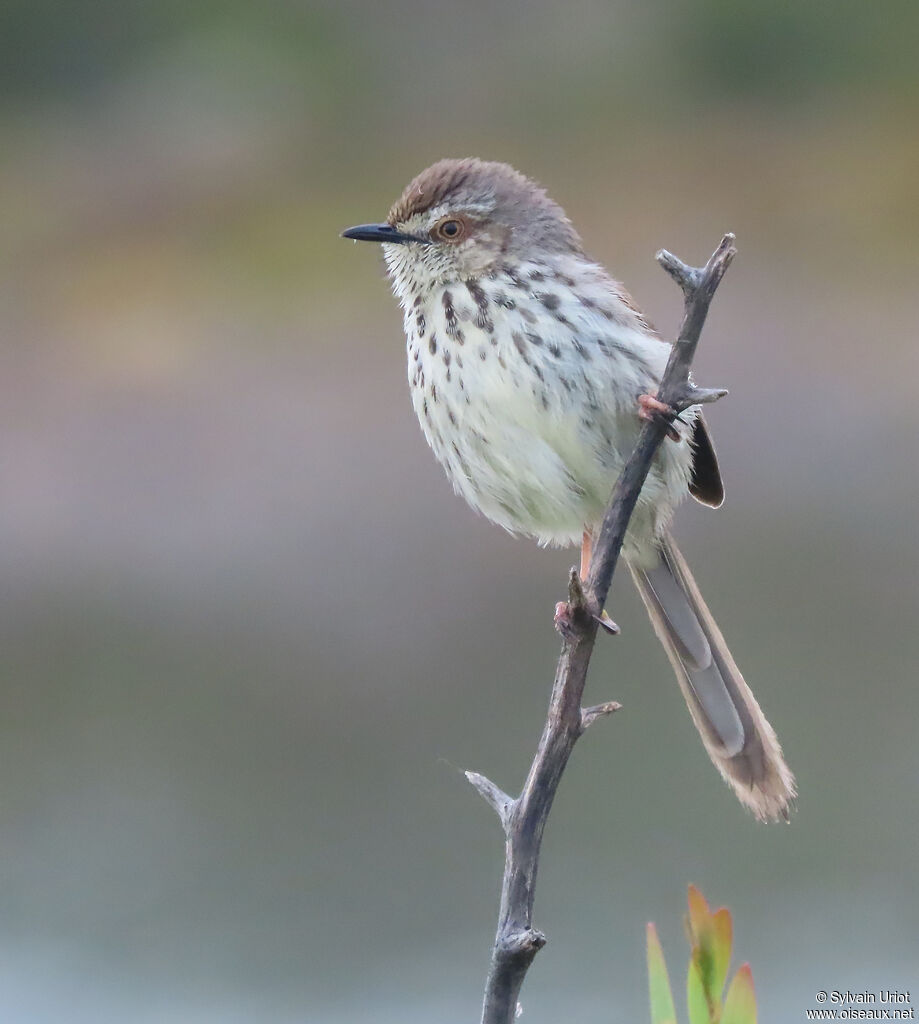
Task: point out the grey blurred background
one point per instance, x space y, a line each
248 637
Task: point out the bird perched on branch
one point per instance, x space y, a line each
530 371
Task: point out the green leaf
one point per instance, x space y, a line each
699 912
662 1009
722 940
697 1002
740 1005
710 936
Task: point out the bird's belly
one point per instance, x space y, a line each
534 436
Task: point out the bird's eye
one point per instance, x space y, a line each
450 230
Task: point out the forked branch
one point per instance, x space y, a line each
524 817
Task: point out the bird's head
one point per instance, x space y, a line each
460 218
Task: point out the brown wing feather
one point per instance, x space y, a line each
705 484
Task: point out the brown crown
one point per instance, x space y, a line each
447 177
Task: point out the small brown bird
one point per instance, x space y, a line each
530 369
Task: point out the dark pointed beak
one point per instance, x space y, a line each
380 233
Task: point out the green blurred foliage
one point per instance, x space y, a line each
48 47
710 938
782 51
662 1008
730 48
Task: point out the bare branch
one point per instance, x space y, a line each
524 819
699 285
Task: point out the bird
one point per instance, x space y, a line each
530 370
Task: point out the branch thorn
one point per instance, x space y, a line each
590 715
497 799
698 396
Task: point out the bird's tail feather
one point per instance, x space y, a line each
739 740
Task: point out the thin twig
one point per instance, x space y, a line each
524 818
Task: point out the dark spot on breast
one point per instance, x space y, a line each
549 300
586 302
420 324
448 376
537 275
513 276
417 302
565 280
459 360
528 315
483 353
434 393
450 413
446 353
521 345
453 330
581 351
555 350
483 320
432 345
502 363
533 338
460 460
477 294
610 345
545 400
574 486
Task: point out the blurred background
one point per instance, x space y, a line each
248 636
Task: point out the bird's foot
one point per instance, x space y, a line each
564 620
650 408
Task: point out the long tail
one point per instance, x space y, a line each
735 732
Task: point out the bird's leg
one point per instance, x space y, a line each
587 544
649 408
563 610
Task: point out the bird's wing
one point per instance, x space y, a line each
706 484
